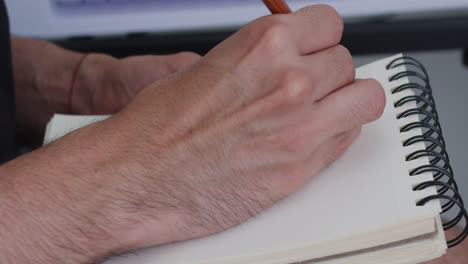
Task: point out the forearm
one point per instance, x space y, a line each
39 206
60 204
43 75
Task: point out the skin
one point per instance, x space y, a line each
195 152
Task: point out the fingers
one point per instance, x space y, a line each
308 30
310 78
261 54
316 28
299 87
311 29
329 70
357 104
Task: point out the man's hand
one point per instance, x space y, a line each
248 125
43 78
197 152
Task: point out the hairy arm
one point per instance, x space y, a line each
63 203
44 218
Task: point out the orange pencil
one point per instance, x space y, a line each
277 6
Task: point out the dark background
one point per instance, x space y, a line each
370 36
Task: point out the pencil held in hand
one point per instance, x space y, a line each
277 6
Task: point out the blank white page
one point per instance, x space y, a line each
363 200
60 125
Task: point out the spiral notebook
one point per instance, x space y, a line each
380 203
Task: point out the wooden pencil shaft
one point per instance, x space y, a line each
277 6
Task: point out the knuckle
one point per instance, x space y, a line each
294 83
275 38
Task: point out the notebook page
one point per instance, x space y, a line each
60 125
412 251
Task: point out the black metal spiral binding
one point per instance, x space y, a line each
432 137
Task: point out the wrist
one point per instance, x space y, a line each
85 72
90 79
42 75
